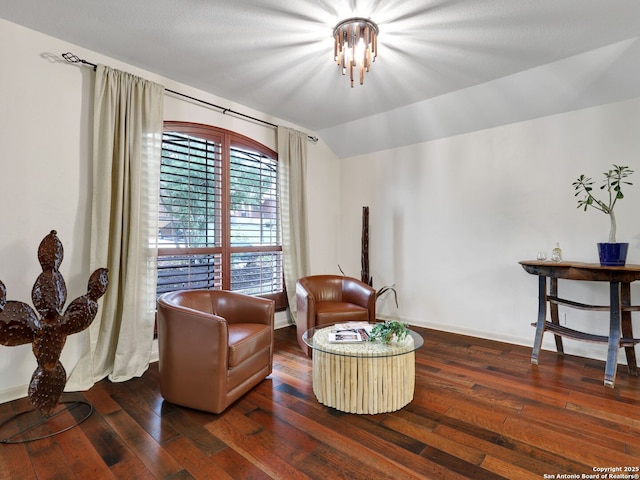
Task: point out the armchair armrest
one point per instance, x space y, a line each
305 313
193 347
359 293
305 306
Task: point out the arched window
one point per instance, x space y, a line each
219 213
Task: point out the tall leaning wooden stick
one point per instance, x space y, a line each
364 256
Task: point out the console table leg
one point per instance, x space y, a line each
555 318
614 335
627 327
542 316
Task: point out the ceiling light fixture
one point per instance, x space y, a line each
355 45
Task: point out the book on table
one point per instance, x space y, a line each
350 332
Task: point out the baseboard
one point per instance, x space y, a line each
13 393
21 391
154 352
281 320
577 348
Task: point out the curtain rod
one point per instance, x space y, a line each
71 58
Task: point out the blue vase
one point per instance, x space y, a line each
613 254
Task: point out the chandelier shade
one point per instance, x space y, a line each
355 45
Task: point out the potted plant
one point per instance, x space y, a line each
388 331
611 253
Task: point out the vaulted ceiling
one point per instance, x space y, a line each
435 56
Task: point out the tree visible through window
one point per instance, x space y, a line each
219 213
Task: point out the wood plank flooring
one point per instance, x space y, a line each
480 411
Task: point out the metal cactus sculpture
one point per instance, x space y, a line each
19 324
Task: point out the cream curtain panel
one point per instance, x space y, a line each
292 173
127 141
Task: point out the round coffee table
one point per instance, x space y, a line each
364 377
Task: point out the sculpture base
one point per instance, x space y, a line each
30 425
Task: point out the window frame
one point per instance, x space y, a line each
228 140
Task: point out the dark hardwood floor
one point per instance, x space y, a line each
480 411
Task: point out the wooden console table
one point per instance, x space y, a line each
619 308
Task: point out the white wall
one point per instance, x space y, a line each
451 218
45 126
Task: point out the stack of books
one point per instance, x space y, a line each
350 332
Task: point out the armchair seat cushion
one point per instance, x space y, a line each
335 312
246 340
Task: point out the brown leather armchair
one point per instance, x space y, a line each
325 299
214 346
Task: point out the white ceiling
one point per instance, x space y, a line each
275 56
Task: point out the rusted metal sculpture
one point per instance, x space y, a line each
19 324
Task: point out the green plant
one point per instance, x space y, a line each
386 331
614 179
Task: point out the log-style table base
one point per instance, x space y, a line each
363 384
363 377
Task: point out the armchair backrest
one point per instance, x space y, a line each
324 288
336 288
231 306
200 300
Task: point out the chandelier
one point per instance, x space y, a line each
355 45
